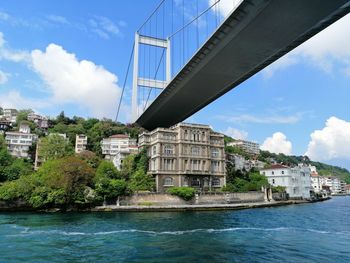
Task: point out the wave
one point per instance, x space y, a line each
27 231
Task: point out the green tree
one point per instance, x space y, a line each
140 181
18 168
54 146
22 115
107 169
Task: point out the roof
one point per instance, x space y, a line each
124 136
276 166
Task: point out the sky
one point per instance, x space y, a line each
73 55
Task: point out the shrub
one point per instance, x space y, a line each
186 193
278 189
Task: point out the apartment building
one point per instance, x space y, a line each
18 143
117 147
10 115
240 163
335 185
247 146
80 143
186 155
39 120
296 180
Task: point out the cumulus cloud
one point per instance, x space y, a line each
225 6
73 81
13 99
327 50
3 77
236 133
277 143
332 142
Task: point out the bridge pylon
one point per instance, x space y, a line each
141 81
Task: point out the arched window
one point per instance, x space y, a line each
216 181
168 149
195 150
168 181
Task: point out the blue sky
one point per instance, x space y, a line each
72 56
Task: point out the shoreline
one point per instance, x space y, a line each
213 207
168 208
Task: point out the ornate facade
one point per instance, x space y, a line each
186 155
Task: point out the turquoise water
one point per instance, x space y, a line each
318 232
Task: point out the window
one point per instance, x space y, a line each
272 172
195 150
168 164
273 181
215 166
168 149
154 150
215 152
195 182
195 165
216 182
168 181
282 172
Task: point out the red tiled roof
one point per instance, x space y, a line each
119 136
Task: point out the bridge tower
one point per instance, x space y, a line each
141 81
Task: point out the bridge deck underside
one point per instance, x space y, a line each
256 34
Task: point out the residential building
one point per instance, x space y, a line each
5 125
10 115
39 120
117 147
80 143
316 182
185 155
247 146
347 189
296 180
240 163
19 142
335 185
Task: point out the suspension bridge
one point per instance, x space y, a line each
189 53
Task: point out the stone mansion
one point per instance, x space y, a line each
186 155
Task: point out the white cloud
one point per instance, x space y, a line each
58 19
3 77
326 50
11 54
104 27
225 6
332 142
81 82
273 119
278 143
236 133
13 99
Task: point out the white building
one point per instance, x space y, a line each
247 146
10 115
296 180
240 163
336 186
18 143
316 182
80 142
117 147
